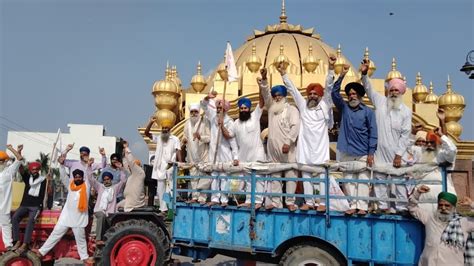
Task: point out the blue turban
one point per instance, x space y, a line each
109 174
244 101
85 149
280 89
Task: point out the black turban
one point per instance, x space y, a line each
77 172
360 90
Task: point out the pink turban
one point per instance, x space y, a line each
399 84
226 104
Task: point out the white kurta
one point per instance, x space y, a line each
70 215
165 153
6 180
247 134
393 126
436 253
227 151
445 153
313 138
197 150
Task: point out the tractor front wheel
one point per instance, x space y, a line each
13 259
135 242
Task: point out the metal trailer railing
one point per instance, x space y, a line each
328 214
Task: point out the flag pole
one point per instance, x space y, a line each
223 74
45 200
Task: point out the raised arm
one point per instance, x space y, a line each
63 176
415 210
13 168
148 127
88 173
299 99
209 112
263 87
374 96
103 162
130 160
336 86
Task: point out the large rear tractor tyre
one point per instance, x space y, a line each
135 242
309 254
13 259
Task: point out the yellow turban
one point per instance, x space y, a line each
4 156
166 123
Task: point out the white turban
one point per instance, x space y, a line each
194 106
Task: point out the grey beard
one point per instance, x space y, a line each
194 120
394 103
312 103
444 217
165 136
277 107
427 156
354 103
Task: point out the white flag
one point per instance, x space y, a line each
230 64
58 148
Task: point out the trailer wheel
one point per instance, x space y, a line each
135 242
12 258
308 254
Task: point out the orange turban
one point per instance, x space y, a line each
315 87
4 156
431 136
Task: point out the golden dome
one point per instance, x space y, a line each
432 97
419 91
281 58
310 62
295 40
394 73
372 67
198 82
452 103
340 61
165 85
253 62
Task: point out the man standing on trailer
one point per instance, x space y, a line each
222 148
283 128
247 134
393 130
357 139
196 138
167 152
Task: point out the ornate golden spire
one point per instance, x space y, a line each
198 82
283 16
372 67
419 91
310 63
253 62
453 105
339 61
394 73
282 58
432 97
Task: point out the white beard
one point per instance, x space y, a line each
277 107
194 120
2 167
428 156
354 103
394 103
444 218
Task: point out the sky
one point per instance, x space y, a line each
94 62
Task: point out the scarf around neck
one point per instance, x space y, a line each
82 204
35 185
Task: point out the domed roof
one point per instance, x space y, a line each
296 42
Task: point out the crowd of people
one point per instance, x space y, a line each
381 138
119 184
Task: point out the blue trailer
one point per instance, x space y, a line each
294 238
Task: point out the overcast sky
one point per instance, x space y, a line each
94 62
